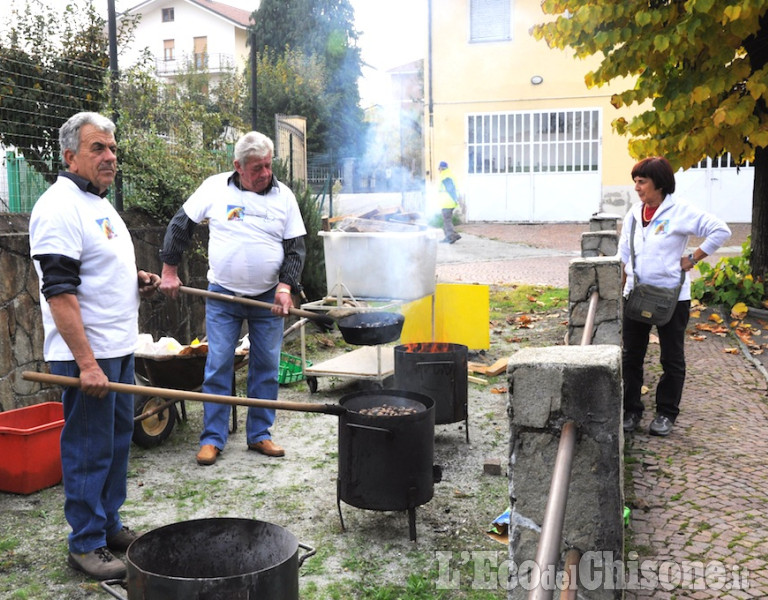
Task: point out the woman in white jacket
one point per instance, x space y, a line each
663 226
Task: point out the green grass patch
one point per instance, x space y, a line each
526 299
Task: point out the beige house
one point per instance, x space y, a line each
184 34
524 136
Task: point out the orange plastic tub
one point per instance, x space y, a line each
29 445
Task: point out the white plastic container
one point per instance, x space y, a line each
380 265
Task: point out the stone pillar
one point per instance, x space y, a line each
549 387
604 275
599 243
604 222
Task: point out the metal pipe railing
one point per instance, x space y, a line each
570 575
548 552
589 323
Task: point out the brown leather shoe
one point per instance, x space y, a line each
120 541
98 564
207 454
267 447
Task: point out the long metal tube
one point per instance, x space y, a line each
548 552
570 575
589 323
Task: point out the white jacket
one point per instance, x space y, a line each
663 242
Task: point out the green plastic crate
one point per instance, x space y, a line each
290 369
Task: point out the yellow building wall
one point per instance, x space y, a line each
496 76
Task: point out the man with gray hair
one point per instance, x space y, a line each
90 290
255 250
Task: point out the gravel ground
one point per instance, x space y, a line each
298 492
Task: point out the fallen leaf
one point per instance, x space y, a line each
498 390
745 336
716 318
739 310
695 314
643 389
731 350
325 341
698 338
718 329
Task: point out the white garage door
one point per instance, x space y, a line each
534 165
720 187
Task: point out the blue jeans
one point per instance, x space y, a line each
95 444
223 323
669 390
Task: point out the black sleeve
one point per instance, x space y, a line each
293 263
177 238
61 274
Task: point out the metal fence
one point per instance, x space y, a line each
21 185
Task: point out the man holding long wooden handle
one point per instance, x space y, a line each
256 251
89 298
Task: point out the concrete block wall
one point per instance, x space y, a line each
604 275
549 387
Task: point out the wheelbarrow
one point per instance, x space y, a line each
155 417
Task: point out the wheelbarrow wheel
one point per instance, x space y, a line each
152 431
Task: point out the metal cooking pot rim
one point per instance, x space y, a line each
371 319
371 398
168 533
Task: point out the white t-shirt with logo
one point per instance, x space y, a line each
83 226
246 232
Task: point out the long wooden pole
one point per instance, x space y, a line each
170 393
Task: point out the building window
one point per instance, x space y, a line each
201 52
490 20
167 15
168 46
534 141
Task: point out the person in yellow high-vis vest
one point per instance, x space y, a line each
449 200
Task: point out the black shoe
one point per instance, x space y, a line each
98 564
661 425
445 241
631 421
454 239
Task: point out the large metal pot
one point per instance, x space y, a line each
371 328
385 462
214 559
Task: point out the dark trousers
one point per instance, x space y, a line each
672 343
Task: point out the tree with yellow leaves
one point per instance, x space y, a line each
700 75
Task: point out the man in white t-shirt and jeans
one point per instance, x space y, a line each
90 289
255 250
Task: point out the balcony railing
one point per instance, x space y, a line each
213 63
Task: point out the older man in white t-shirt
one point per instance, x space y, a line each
90 289
256 250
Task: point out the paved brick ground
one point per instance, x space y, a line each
700 496
559 244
